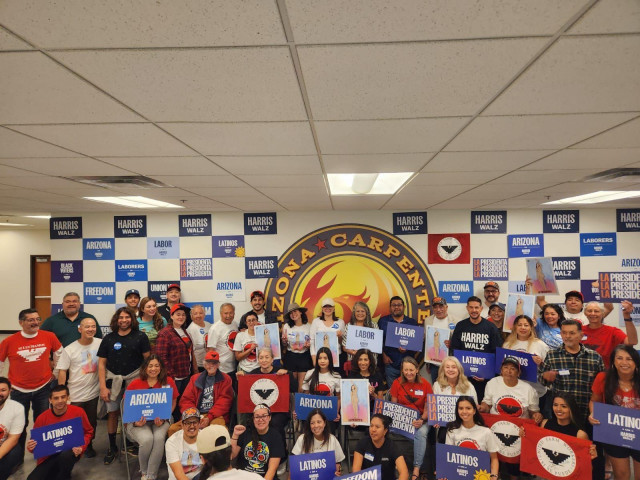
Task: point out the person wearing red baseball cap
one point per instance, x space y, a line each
174 296
258 303
573 304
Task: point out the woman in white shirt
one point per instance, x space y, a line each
327 321
452 380
318 438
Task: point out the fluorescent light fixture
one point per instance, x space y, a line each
7 224
597 197
37 216
135 202
366 183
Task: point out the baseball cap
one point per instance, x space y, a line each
492 285
574 293
328 301
438 301
512 360
256 293
133 291
190 412
501 306
213 438
178 306
174 285
212 356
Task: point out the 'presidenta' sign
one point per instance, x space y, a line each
351 263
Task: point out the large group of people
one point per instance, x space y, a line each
62 368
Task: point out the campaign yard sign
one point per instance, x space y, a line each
228 246
616 286
441 409
364 337
260 223
98 249
528 245
489 221
618 426
132 226
66 271
598 244
476 364
528 368
131 270
410 223
194 225
461 463
65 227
401 335
58 437
261 267
402 417
316 466
305 403
560 221
196 269
491 269
455 291
628 219
150 403
566 268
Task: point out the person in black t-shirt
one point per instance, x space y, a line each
363 365
377 449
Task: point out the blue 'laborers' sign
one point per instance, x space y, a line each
316 466
98 249
151 404
476 364
260 223
401 335
453 462
628 220
65 227
100 293
618 425
66 271
261 267
566 268
58 437
410 223
527 245
598 244
304 404
561 221
131 270
528 368
455 292
489 221
194 225
133 226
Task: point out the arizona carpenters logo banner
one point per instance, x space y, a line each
351 263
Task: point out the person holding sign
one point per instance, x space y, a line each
364 366
151 434
214 446
392 356
564 420
411 390
620 385
378 449
323 380
327 320
296 339
59 465
452 380
548 325
468 430
245 345
318 438
360 317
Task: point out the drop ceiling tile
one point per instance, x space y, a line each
609 16
314 204
416 196
453 178
261 206
11 42
283 181
533 132
596 158
410 79
65 167
387 136
378 163
359 202
16 145
145 23
516 203
624 136
165 192
542 176
247 139
294 165
222 193
36 183
458 204
347 21
8 171
294 192
127 139
482 161
205 85
579 74
188 181
162 165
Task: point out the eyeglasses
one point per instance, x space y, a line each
192 423
397 304
261 417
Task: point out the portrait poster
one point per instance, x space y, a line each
354 401
268 336
518 305
435 350
329 339
543 278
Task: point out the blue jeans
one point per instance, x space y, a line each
420 445
10 461
391 373
38 401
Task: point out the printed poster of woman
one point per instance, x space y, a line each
434 349
89 362
518 305
268 336
329 339
354 401
540 272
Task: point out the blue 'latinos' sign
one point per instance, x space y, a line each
151 404
305 403
66 271
561 221
628 219
402 417
98 249
260 223
489 221
401 335
454 462
261 267
598 244
195 225
65 227
618 425
455 292
363 337
529 369
158 289
100 293
476 364
134 226
57 437
228 246
491 269
529 245
566 268
163 247
131 270
319 466
410 223
373 473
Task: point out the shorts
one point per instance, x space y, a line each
298 362
621 452
114 406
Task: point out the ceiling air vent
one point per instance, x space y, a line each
616 175
137 181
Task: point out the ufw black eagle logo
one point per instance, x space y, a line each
556 457
506 438
264 393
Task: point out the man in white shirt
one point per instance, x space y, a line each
222 336
79 364
11 427
440 319
182 454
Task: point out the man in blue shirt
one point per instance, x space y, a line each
391 356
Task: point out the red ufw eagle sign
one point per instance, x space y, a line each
270 389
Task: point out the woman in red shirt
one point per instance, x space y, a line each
411 390
151 434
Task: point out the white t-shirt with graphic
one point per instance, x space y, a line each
510 401
243 340
221 339
177 450
476 437
81 361
297 336
11 419
539 348
197 333
328 384
331 446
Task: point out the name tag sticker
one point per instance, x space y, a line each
368 456
564 372
419 392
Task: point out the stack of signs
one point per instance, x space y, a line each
268 336
435 350
402 417
518 305
618 426
354 402
58 437
151 404
329 339
305 403
476 364
363 337
454 462
441 409
543 280
316 466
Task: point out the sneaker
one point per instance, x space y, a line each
110 456
90 452
132 450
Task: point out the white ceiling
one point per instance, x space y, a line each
247 105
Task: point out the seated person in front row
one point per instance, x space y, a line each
58 466
181 448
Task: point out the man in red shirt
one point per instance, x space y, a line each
604 338
30 371
59 465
